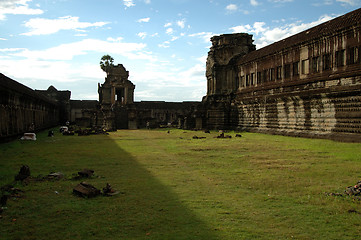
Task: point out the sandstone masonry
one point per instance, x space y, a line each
306 85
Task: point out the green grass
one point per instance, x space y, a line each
175 187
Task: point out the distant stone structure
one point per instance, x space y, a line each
306 85
24 110
119 111
115 94
85 113
62 98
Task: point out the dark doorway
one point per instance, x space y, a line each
119 95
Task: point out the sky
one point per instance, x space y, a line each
162 43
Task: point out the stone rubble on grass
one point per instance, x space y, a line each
109 191
24 173
54 176
86 173
354 190
85 189
223 136
196 137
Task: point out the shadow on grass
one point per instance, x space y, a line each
150 208
144 209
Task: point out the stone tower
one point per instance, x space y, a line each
115 94
221 73
117 89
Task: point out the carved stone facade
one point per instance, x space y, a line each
224 49
117 89
114 95
306 85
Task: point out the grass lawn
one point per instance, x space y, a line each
175 187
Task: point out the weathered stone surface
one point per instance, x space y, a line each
24 173
55 176
86 173
84 189
295 87
29 136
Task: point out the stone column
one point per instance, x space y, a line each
112 95
125 95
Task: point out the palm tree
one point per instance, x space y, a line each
106 63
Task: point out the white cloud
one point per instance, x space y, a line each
169 31
164 44
174 38
65 52
144 20
11 49
57 71
280 1
118 39
142 35
128 3
17 7
181 23
349 2
60 65
206 36
3 39
325 2
232 7
167 25
265 35
166 83
42 26
81 35
147 1
202 59
241 29
254 3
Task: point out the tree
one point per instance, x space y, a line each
106 63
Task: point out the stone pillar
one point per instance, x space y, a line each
112 95
125 95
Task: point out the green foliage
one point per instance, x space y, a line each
175 187
106 62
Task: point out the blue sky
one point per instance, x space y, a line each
162 43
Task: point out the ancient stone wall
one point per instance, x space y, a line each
24 110
323 113
85 113
306 85
62 98
158 113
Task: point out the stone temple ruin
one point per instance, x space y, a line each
119 111
306 85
